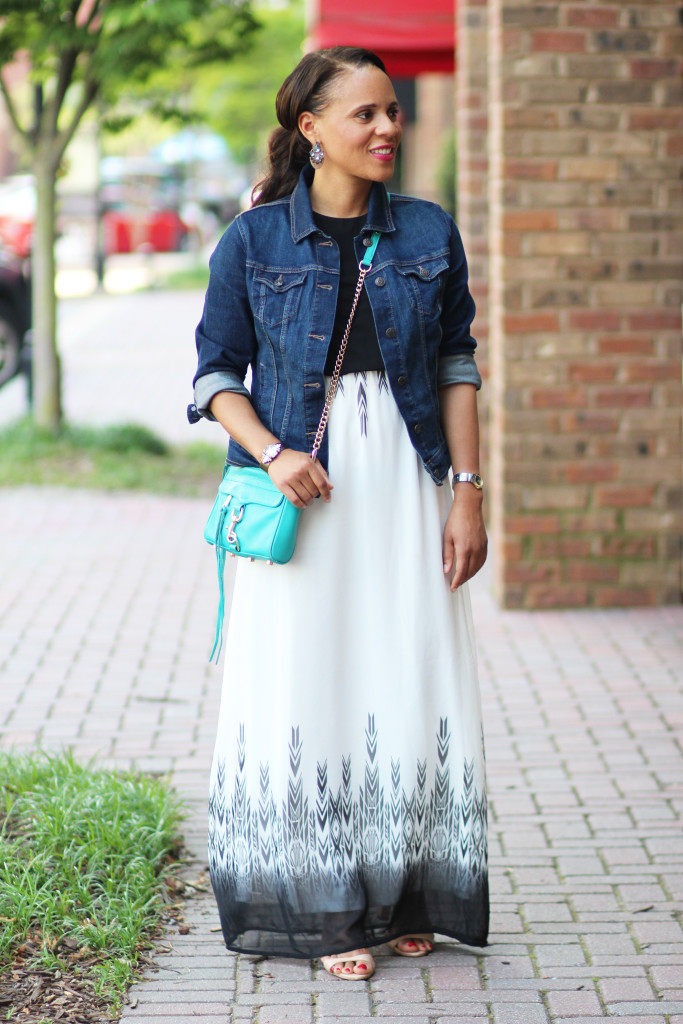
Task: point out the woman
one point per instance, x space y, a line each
348 803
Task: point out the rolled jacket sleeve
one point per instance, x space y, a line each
459 369
225 336
209 384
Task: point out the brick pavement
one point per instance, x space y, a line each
106 608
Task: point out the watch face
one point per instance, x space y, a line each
269 453
470 478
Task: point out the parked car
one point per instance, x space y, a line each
15 313
141 230
17 213
141 199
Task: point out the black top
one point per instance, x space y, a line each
362 351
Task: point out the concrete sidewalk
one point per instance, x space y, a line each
107 606
127 359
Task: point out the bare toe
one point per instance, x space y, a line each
412 945
358 965
407 945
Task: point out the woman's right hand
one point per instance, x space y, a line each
299 477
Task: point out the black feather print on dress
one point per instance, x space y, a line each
361 379
379 834
362 399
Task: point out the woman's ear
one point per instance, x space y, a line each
306 124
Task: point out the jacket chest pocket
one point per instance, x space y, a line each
424 284
277 295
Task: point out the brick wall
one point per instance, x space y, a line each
586 258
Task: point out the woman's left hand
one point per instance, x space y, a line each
464 536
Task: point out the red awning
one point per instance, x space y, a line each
411 36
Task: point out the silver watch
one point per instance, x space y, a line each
269 454
468 478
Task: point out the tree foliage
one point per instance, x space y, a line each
76 53
238 101
80 50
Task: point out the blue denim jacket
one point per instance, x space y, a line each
271 302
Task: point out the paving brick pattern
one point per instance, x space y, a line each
106 609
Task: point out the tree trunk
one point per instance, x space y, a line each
47 391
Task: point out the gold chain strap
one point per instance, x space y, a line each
336 374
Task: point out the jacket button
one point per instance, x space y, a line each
380 282
418 428
367 241
390 332
402 380
424 272
279 280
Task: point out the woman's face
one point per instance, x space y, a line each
359 129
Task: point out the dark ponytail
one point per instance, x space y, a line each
306 88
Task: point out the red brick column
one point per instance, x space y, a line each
586 240
472 164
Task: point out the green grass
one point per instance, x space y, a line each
127 457
85 860
187 279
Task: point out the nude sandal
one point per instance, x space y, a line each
359 958
393 945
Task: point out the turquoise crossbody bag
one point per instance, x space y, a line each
251 518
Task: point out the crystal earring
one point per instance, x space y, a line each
317 155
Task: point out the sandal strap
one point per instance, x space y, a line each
343 957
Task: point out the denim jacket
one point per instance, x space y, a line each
271 303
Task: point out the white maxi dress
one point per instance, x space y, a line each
347 793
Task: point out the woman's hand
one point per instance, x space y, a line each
464 536
299 477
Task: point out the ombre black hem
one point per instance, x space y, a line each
274 931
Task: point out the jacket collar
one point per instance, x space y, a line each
378 218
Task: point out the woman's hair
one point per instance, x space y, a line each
306 88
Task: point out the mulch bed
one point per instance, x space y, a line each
33 996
